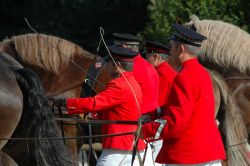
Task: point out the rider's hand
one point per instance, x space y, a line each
145 118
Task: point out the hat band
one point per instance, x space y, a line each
176 38
156 50
119 43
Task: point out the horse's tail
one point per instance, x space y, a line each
42 125
233 127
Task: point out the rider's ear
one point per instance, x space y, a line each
181 48
155 56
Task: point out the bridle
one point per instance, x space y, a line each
88 90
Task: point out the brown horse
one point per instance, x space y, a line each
226 51
62 67
25 114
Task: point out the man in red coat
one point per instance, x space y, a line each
121 100
145 74
157 54
187 127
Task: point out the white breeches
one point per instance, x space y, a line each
117 158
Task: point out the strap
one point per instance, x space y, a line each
61 123
91 77
145 154
136 142
139 158
158 112
90 142
159 130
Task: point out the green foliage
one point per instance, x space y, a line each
163 13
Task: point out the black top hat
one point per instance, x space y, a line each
120 38
187 36
122 53
154 47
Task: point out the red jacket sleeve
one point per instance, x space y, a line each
166 76
178 111
105 100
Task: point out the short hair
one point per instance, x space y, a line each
193 50
128 66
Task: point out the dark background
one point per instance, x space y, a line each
74 20
79 20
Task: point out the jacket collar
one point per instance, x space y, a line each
190 62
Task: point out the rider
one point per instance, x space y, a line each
157 54
145 74
188 123
121 100
147 77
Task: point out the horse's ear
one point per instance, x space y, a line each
191 24
194 18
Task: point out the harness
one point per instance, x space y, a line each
88 91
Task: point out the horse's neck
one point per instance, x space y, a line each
71 77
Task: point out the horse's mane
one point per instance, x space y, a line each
227 45
47 52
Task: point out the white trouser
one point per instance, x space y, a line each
149 158
211 163
152 152
156 145
117 158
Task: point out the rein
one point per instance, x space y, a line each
68 138
88 90
237 78
97 122
83 121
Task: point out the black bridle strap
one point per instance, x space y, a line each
97 122
88 91
91 78
237 78
68 138
90 142
61 122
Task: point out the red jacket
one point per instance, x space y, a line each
116 102
191 135
166 77
147 77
